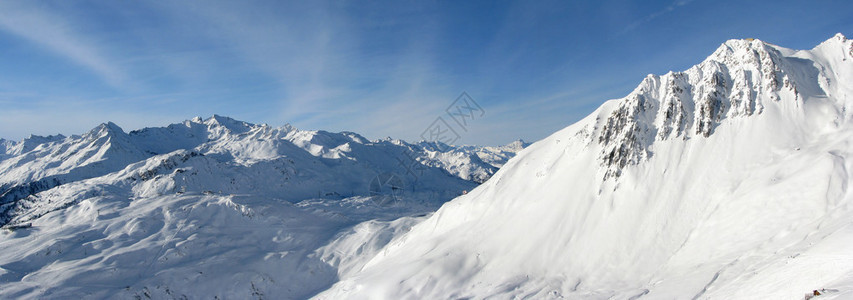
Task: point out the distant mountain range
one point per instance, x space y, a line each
223 154
229 198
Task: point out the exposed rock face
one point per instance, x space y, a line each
624 135
734 82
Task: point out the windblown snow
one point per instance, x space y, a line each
725 181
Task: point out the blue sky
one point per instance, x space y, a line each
376 68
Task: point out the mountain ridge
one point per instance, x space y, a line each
57 160
734 81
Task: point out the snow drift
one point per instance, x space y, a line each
728 180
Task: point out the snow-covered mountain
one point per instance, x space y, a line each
729 180
214 207
301 164
725 181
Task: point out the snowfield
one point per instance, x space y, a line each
725 181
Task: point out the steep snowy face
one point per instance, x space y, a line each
731 176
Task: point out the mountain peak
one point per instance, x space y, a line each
106 128
517 144
737 48
221 120
228 123
742 42
838 40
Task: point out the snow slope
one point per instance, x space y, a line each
726 181
207 208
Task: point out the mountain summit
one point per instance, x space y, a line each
727 180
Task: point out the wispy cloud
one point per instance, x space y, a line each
316 58
648 18
322 63
292 48
56 34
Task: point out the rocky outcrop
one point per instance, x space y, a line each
734 82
